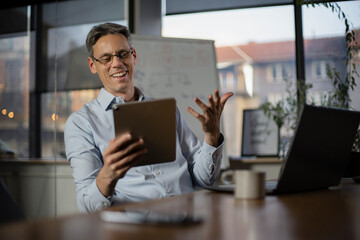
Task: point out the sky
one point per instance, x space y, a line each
266 24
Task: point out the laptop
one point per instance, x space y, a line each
319 151
155 122
260 135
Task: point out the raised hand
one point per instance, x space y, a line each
210 118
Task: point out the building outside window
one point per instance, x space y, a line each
278 72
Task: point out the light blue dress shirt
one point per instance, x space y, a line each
87 133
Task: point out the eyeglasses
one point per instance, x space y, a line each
108 59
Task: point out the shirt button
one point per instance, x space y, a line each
105 204
158 173
169 190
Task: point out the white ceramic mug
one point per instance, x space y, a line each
249 184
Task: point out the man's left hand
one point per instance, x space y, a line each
210 119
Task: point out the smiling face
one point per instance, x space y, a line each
117 76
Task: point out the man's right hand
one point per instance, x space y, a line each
122 153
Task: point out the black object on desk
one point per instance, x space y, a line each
9 211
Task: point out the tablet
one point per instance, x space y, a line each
155 122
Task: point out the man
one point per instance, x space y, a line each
103 165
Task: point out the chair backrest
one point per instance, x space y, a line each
9 210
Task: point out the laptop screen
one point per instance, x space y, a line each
260 135
320 149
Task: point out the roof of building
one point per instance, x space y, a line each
284 50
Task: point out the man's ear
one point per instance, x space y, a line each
92 65
134 55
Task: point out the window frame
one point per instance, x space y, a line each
37 52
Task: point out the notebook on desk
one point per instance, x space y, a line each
318 153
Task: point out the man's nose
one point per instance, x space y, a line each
117 61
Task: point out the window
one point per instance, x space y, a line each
275 97
269 52
317 97
14 85
247 59
319 69
277 73
229 80
324 44
53 77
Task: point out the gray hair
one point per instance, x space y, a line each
104 29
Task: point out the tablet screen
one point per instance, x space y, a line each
155 122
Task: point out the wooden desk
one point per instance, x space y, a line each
328 214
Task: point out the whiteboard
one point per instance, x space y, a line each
179 68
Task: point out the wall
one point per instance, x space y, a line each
42 189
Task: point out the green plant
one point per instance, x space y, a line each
340 96
286 111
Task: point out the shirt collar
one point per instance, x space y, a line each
106 99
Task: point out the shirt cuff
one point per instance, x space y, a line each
211 150
215 153
97 199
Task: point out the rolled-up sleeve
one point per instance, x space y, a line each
204 160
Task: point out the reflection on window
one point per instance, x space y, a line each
66 65
14 95
66 103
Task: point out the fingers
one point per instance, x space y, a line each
225 97
195 113
118 143
212 103
122 154
129 160
121 147
215 102
212 112
202 105
217 96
